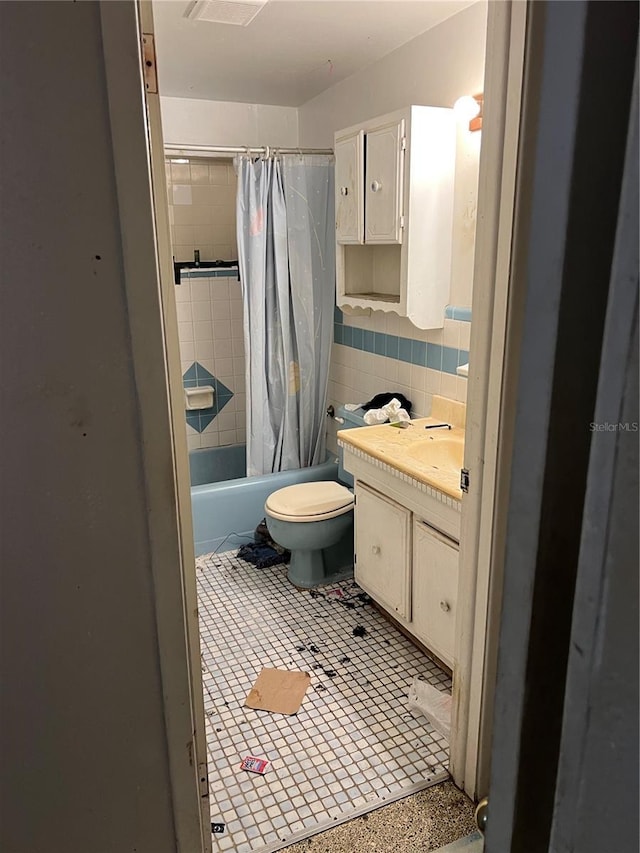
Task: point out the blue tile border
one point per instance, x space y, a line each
455 312
408 350
227 272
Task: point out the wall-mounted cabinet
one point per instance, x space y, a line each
394 206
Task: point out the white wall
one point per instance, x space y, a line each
189 121
84 749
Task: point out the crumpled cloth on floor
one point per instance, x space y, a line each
264 552
262 556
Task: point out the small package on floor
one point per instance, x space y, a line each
254 765
432 703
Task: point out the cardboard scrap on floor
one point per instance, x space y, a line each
278 690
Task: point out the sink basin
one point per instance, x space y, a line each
442 452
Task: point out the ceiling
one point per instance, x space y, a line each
289 53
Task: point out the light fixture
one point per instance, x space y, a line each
180 160
468 108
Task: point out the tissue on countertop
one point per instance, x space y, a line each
392 412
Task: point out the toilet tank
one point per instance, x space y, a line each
351 420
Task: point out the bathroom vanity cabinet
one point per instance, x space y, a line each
394 207
406 553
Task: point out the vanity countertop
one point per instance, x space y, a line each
430 456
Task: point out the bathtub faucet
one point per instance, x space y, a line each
331 413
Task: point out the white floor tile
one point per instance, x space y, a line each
352 745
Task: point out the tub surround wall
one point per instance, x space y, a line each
212 352
202 198
202 209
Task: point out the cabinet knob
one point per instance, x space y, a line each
375 549
375 186
344 190
444 605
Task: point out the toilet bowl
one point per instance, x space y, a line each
315 522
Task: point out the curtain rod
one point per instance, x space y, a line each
195 150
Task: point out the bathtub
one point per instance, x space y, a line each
225 502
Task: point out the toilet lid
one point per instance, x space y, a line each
325 499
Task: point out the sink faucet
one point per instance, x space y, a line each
438 426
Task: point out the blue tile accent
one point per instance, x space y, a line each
419 353
369 341
391 346
434 356
404 349
449 360
198 375
337 315
409 350
456 312
227 272
190 373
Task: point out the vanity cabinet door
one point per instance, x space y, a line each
435 589
383 183
383 550
349 178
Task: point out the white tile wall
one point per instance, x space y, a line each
202 214
211 342
355 375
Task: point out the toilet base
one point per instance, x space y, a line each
309 569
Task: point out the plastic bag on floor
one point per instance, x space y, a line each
423 699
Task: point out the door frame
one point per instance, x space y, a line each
140 170
487 443
137 144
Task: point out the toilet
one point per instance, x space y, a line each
315 522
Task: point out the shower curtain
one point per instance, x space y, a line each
286 255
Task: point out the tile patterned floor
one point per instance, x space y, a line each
351 747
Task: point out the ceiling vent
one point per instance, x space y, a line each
238 12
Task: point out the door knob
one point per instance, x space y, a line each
444 605
344 190
375 549
375 186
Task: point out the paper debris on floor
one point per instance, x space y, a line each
435 704
278 690
254 765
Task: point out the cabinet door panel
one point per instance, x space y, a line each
435 590
349 178
383 184
383 550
